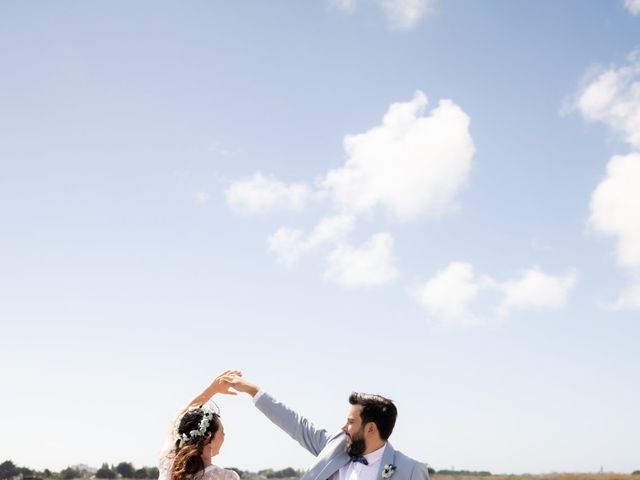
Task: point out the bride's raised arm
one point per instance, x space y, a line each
220 384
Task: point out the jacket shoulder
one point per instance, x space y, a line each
408 464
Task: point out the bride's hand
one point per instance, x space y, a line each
223 382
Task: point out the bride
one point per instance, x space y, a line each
196 436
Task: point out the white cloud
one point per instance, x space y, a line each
345 5
331 229
457 296
404 14
615 207
401 14
613 98
448 295
615 211
536 289
290 244
629 298
410 165
260 194
633 6
368 266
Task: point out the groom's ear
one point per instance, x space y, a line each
371 428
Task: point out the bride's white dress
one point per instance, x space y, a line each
212 472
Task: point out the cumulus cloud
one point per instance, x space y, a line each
345 5
404 14
414 163
289 244
629 298
615 207
370 265
401 14
613 97
410 165
448 295
536 289
457 296
633 6
615 211
260 194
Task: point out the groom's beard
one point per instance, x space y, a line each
356 446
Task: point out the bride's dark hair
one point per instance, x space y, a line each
187 459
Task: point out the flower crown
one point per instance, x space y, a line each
209 411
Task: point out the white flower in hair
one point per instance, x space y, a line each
207 415
184 438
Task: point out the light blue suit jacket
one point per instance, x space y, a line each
329 450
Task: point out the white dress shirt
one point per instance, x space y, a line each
360 471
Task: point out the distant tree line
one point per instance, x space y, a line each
9 470
284 473
466 473
126 470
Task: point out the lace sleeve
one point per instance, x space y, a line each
231 475
213 472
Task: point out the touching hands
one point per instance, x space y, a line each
238 383
222 383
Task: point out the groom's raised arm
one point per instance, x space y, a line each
297 426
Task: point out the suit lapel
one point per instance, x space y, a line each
333 466
388 457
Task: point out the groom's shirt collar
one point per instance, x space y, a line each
376 455
360 471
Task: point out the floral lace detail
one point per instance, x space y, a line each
212 472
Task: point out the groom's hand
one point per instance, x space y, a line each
241 385
221 384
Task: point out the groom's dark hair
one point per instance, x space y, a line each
376 409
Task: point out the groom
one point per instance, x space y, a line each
360 451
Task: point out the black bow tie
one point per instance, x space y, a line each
359 458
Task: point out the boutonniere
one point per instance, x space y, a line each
388 470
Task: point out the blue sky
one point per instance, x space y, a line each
436 201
